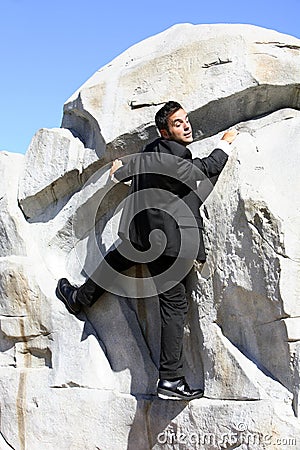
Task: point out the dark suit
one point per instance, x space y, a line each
162 203
171 204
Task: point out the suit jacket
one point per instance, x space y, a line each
161 211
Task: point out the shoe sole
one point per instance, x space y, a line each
65 301
167 395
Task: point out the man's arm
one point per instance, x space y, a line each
210 166
213 164
120 172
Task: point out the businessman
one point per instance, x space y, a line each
160 226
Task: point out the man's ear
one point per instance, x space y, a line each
164 133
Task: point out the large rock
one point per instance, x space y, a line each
223 74
65 159
90 382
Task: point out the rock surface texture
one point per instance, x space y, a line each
89 383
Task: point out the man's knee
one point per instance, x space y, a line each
175 298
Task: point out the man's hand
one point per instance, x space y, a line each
117 163
230 136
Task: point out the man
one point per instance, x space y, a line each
161 226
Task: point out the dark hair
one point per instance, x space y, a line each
162 115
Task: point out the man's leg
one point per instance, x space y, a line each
113 263
87 294
173 309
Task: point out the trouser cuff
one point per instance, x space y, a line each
165 375
89 293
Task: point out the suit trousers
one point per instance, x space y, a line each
172 302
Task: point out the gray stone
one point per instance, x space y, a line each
11 242
65 158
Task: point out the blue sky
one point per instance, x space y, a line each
49 49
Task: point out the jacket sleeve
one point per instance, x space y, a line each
213 164
198 169
125 173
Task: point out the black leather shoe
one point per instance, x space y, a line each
177 390
67 294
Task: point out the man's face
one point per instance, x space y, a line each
180 129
